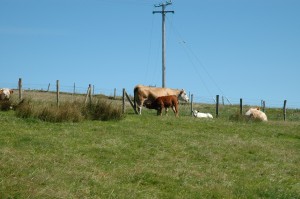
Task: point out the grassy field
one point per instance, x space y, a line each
150 157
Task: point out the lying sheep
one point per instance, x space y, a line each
256 113
201 115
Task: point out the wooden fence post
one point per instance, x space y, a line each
74 89
241 106
228 100
131 103
57 92
217 106
284 110
89 94
192 99
115 93
123 100
263 105
20 89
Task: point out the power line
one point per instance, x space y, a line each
150 47
188 51
135 2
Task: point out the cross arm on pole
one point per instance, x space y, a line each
163 12
164 4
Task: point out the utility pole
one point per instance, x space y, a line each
163 13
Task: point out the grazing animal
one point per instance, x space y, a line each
5 93
142 93
202 115
170 101
256 113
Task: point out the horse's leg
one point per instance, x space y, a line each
166 110
175 109
140 106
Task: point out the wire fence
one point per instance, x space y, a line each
117 92
223 111
246 101
226 106
74 88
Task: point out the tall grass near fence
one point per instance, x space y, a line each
5 105
67 111
71 108
225 111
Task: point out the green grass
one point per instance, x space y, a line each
149 157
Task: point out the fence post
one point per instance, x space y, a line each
89 94
48 87
192 99
20 89
228 100
263 105
241 106
217 106
115 93
123 100
57 92
74 89
284 110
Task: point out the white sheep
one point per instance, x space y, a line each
256 113
201 115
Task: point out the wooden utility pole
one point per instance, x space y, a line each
163 13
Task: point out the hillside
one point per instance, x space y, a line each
150 157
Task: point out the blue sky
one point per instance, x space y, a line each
246 49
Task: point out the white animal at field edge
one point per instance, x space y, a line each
256 113
202 115
5 93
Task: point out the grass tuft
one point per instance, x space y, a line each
5 105
103 110
237 117
24 109
68 111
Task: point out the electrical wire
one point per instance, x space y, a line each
135 2
150 48
189 52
